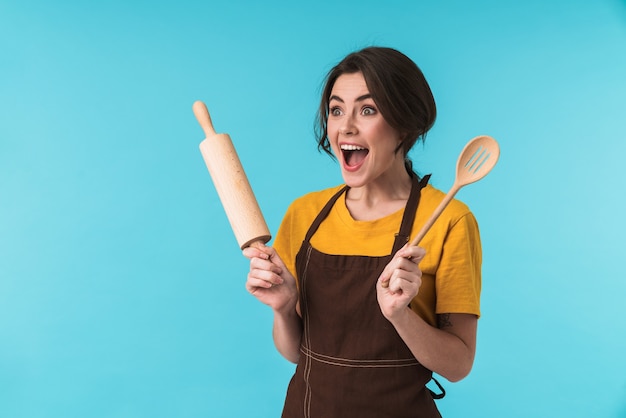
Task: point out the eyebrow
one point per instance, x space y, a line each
358 99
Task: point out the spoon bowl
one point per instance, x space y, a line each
477 159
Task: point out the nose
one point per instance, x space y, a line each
347 126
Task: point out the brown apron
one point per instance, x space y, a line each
353 363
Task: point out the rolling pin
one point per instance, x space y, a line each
231 183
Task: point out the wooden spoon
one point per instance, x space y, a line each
477 159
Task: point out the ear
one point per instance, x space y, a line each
400 145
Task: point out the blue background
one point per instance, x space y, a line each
121 284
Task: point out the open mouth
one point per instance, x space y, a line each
353 155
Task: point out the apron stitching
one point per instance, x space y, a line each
355 362
307 343
366 366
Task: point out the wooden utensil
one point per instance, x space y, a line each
231 183
477 159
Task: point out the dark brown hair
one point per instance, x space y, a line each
398 88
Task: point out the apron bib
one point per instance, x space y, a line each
353 363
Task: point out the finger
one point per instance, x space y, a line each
263 278
265 269
275 258
392 269
400 264
396 281
252 252
409 275
415 254
394 286
408 265
266 265
255 283
399 285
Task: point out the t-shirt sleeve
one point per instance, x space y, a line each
458 276
283 242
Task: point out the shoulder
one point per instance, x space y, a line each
303 210
313 202
456 222
298 218
431 197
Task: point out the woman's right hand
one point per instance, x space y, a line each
269 280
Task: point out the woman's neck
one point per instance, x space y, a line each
382 197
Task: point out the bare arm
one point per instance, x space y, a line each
287 333
448 350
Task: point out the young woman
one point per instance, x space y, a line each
366 317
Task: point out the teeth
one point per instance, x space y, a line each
349 147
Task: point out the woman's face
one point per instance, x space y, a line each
360 137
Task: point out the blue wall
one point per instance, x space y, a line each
121 284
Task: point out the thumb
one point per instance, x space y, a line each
413 253
384 278
274 257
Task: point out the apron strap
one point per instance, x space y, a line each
323 214
403 236
442 391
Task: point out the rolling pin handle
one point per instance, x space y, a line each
257 244
203 117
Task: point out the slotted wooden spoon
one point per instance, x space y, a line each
477 159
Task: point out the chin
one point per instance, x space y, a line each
353 180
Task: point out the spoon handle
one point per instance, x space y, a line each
447 199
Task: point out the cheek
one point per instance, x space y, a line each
394 139
331 129
331 134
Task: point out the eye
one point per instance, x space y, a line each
368 110
335 111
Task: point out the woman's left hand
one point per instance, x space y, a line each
404 279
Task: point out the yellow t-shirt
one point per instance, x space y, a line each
451 269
